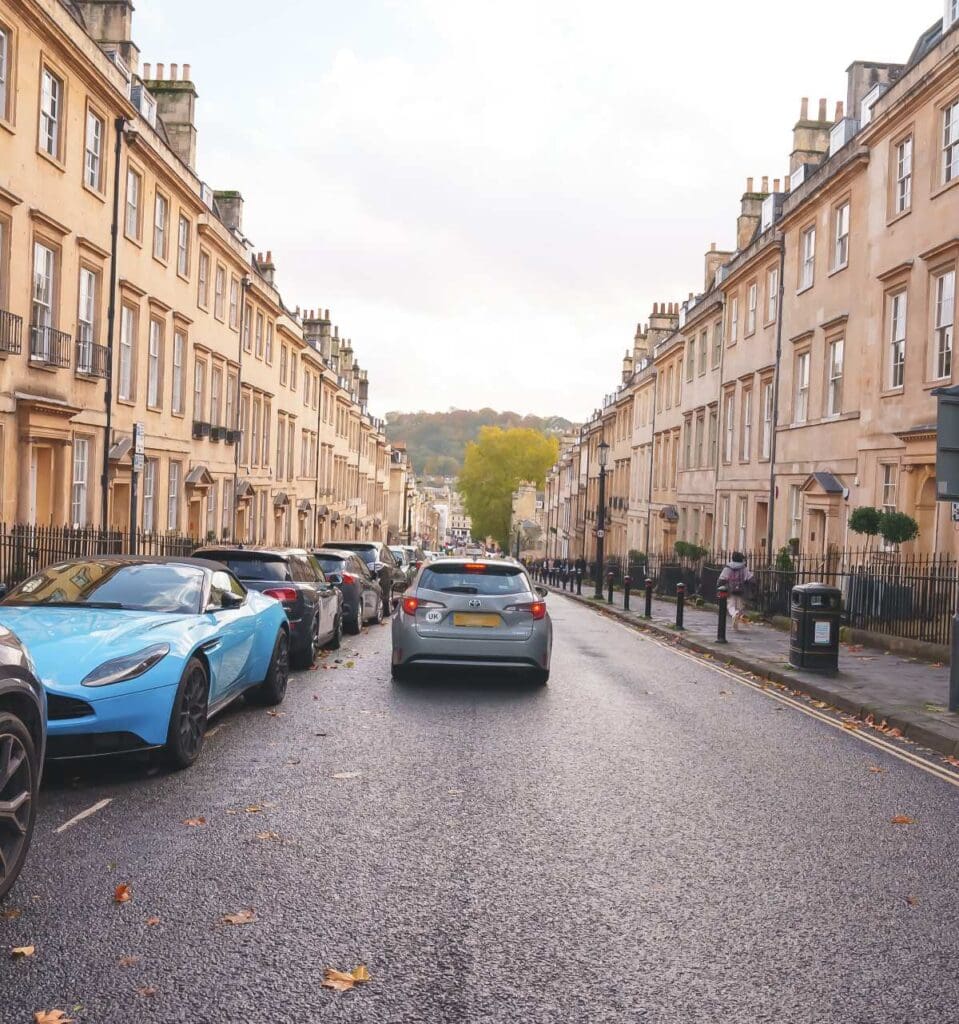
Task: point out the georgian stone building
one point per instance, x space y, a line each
798 384
129 294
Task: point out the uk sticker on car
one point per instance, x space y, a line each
434 616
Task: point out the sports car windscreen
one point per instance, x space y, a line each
117 585
479 578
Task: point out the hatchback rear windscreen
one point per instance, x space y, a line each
331 564
268 570
489 580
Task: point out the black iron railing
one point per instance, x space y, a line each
25 550
11 327
49 347
91 359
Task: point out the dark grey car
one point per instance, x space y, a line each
362 597
381 563
23 731
294 577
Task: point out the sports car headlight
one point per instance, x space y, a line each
129 667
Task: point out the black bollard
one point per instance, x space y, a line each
723 596
579 582
609 587
627 583
649 599
680 605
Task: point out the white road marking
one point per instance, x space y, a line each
917 761
89 812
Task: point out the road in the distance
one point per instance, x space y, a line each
644 840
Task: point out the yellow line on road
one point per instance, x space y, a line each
916 760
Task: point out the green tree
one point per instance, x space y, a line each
865 521
897 528
493 467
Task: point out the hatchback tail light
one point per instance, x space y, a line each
281 593
412 604
348 578
537 609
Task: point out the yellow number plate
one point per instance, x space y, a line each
475 620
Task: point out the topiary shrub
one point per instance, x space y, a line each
897 528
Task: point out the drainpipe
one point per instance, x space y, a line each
316 468
772 440
720 426
118 126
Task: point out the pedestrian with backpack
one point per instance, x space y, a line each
737 578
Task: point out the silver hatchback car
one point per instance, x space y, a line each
483 613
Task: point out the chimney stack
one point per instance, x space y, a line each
229 205
810 138
110 23
176 108
267 268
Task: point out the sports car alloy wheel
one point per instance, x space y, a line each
16 798
188 720
273 689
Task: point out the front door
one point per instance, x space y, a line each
194 518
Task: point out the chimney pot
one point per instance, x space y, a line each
655 308
804 109
147 68
160 69
765 183
775 184
187 73
269 255
822 109
174 72
786 183
839 110
749 184
712 246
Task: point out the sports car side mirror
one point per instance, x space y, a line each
231 600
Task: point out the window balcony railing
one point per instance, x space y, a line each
92 359
49 347
10 329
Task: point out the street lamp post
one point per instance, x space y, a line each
601 517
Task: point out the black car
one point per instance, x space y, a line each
381 563
362 597
23 732
294 577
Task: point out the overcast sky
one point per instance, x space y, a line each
489 196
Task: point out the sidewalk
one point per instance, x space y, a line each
911 695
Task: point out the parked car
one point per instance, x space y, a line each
406 567
381 563
23 735
482 613
138 653
362 596
417 556
294 577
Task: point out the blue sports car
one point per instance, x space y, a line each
137 653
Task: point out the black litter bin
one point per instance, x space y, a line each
814 642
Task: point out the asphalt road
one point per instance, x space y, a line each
644 840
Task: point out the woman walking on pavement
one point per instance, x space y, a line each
736 577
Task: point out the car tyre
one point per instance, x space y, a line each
540 676
273 689
336 640
188 717
354 626
306 657
401 673
20 772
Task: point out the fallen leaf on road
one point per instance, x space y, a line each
241 917
194 822
725 693
22 952
270 837
128 961
273 713
253 808
153 921
346 775
147 991
51 1017
819 704
936 709
9 915
937 664
343 981
912 901
903 819
875 769
351 664
894 732
851 726
954 761
122 893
